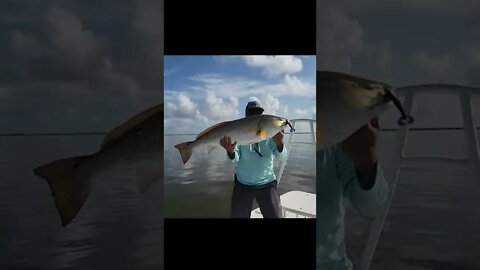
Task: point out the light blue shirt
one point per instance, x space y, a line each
336 181
252 169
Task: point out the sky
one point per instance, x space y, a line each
405 43
204 90
78 66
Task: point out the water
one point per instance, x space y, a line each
203 186
433 222
434 217
116 229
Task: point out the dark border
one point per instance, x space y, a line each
240 28
244 243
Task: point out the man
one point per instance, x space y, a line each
254 176
347 170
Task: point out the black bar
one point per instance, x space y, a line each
239 28
244 243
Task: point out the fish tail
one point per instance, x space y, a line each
68 189
185 150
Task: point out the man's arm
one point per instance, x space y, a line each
233 151
234 157
278 147
365 184
367 189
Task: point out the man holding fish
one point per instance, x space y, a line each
348 108
254 177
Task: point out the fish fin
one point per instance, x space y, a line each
146 177
211 148
185 150
69 190
131 123
262 134
210 128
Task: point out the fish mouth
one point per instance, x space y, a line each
291 127
287 123
387 97
404 118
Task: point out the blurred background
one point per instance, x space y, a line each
70 71
434 215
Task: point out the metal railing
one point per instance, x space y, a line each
312 132
401 161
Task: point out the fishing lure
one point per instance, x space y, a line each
291 127
404 119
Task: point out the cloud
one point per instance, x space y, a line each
207 109
25 44
67 36
223 96
382 53
269 103
274 66
183 108
440 6
67 62
436 67
234 101
236 86
309 112
338 39
217 110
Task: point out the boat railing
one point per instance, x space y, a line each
295 204
402 161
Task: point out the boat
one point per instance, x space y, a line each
295 203
427 163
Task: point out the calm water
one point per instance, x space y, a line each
433 222
116 229
434 217
203 186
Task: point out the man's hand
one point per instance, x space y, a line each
361 148
278 139
226 142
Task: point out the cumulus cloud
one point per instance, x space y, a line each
338 39
440 6
25 44
216 109
436 67
342 45
231 86
269 103
182 107
309 112
67 36
207 109
234 101
67 63
275 65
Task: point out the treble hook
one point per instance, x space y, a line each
404 119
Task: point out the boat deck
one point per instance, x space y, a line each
295 204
